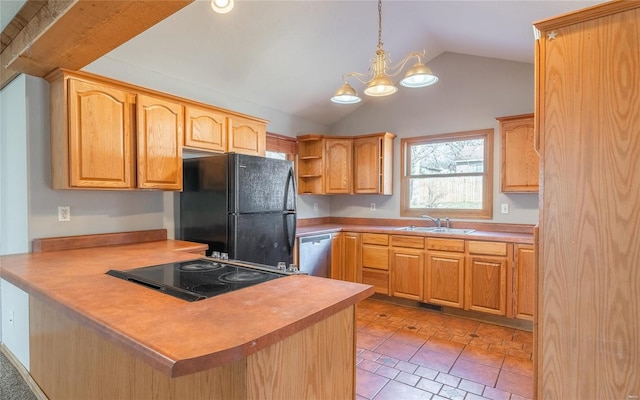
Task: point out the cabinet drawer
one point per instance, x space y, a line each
415 242
375 238
489 248
445 244
379 279
375 257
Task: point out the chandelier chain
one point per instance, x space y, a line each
379 24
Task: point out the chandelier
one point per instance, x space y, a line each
378 80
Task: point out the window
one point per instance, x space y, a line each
448 175
281 147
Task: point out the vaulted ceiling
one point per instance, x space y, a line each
291 55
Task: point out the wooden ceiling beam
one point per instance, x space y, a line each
73 33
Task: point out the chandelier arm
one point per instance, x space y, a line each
363 78
395 70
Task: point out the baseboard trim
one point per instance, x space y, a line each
23 372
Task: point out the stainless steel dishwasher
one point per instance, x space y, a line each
315 255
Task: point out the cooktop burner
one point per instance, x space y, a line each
199 279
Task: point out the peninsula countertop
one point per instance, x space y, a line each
175 336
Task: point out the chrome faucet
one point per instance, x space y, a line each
435 220
448 223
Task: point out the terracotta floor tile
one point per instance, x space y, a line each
378 329
471 387
482 356
429 385
452 393
475 372
447 379
409 348
368 384
397 350
396 390
495 331
495 394
443 346
409 337
387 372
368 341
431 359
515 383
518 365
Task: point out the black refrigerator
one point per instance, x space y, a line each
241 205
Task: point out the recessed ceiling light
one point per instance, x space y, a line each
222 6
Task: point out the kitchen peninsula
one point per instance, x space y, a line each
95 336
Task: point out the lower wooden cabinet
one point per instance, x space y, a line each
486 277
407 267
375 261
352 256
336 270
523 281
444 279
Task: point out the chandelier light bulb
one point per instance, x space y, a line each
222 6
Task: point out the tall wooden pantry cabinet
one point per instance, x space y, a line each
588 133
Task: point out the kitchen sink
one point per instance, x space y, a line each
434 229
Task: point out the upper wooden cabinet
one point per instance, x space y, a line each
373 164
519 171
345 165
93 140
337 166
160 124
107 134
246 136
205 129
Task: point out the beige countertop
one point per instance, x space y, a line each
175 336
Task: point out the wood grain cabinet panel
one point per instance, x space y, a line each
310 164
375 261
520 164
352 256
444 279
338 166
160 123
407 273
523 281
337 257
92 135
205 129
486 284
246 136
373 164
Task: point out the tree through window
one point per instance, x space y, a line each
448 175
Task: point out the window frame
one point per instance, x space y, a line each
486 212
282 144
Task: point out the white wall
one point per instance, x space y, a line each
15 321
470 93
13 168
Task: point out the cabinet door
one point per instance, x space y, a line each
366 164
486 284
520 169
247 136
205 129
444 279
407 269
351 247
337 257
524 281
160 125
101 140
338 166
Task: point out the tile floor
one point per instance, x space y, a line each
413 353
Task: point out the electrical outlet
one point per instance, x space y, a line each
372 207
315 206
64 214
504 208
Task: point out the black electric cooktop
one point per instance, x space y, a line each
199 279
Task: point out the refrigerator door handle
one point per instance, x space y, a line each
291 234
290 184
